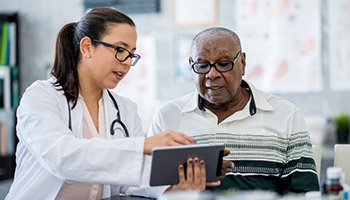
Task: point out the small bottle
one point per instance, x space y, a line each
333 183
346 189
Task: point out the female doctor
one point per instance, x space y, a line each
77 139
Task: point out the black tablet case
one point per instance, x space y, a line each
165 161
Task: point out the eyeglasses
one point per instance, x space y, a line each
121 53
220 66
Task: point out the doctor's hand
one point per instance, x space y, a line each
225 164
195 178
166 138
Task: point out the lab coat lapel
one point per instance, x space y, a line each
110 112
77 120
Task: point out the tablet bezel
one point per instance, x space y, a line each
165 161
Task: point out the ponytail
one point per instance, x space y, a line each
95 24
65 63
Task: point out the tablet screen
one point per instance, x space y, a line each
165 162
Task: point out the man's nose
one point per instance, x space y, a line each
213 73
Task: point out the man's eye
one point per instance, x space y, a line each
202 65
224 64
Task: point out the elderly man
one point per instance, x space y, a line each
266 135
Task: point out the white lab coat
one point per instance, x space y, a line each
49 154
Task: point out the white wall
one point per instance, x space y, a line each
40 21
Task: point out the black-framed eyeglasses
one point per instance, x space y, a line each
121 53
220 66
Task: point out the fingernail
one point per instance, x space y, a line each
180 166
196 161
202 162
190 161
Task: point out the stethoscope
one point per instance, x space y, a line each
122 127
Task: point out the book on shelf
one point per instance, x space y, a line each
3 139
7 134
14 87
5 87
8 43
8 66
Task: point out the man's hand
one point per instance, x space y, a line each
225 165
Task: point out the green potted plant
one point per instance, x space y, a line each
342 122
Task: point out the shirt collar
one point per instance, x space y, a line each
193 104
261 102
257 101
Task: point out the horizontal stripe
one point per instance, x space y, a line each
255 170
250 174
261 147
264 168
299 170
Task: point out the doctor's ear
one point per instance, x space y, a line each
86 47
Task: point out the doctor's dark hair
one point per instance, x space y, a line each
95 25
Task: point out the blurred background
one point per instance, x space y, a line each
296 49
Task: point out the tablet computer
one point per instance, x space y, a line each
165 162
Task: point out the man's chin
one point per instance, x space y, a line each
216 101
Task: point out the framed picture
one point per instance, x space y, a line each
276 67
189 13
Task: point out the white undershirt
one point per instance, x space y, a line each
80 190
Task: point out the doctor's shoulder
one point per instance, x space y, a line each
42 89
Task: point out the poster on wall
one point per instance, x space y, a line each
140 83
182 53
282 44
189 13
339 48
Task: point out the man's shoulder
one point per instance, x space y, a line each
263 97
277 101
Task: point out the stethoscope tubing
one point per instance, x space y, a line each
118 120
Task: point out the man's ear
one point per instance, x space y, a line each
243 63
192 73
86 47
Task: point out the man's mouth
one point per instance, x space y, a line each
214 87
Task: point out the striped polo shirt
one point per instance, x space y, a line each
269 141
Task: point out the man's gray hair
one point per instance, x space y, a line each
217 31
